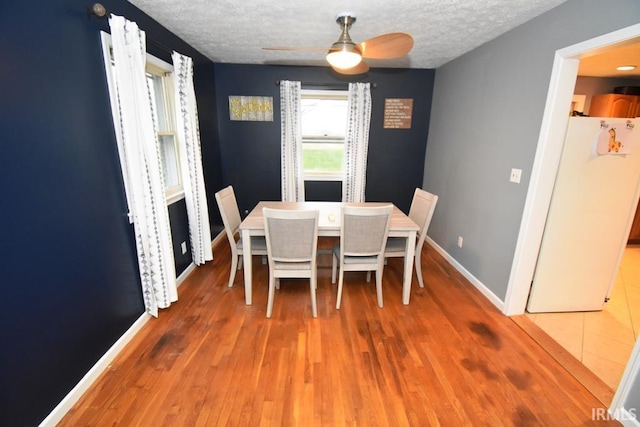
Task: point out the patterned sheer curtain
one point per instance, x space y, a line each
356 142
191 159
291 159
140 160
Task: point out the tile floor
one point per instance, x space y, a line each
602 340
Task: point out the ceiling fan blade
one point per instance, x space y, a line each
391 45
295 48
361 68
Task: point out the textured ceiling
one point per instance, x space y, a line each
235 31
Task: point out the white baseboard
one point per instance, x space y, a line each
470 277
221 235
187 271
626 418
102 364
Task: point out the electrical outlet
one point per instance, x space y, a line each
183 246
515 175
460 241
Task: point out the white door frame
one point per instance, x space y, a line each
543 175
546 162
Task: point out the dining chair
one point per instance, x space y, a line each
292 242
363 236
421 211
228 206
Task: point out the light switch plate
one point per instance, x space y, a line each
516 174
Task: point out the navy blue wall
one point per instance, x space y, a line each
251 150
69 272
70 282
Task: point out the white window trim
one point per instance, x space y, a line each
323 94
173 194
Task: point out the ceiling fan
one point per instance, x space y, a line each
345 57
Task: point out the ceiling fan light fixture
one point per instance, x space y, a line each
344 55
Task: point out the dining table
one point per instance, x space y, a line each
329 222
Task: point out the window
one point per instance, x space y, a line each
160 82
324 123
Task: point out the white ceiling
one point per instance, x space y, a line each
234 31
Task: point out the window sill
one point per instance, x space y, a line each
174 196
323 178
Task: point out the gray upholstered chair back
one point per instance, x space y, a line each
422 207
364 230
292 239
228 206
364 235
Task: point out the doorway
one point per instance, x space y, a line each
547 160
569 305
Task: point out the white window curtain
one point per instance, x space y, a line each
140 159
291 158
356 142
191 159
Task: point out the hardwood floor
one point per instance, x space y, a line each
448 358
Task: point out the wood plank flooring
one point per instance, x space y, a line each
449 358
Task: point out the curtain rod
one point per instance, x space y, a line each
100 12
327 85
160 46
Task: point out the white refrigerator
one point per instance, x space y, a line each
590 215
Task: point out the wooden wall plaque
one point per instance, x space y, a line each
397 113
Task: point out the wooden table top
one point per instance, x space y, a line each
329 219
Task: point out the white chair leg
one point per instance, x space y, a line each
277 283
419 270
334 268
340 281
379 286
313 285
234 266
418 265
272 291
368 276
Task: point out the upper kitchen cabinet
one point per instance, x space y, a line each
615 105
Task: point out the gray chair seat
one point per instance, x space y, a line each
355 259
395 244
258 243
292 265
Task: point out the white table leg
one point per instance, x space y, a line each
248 268
408 267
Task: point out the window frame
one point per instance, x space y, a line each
164 70
327 95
